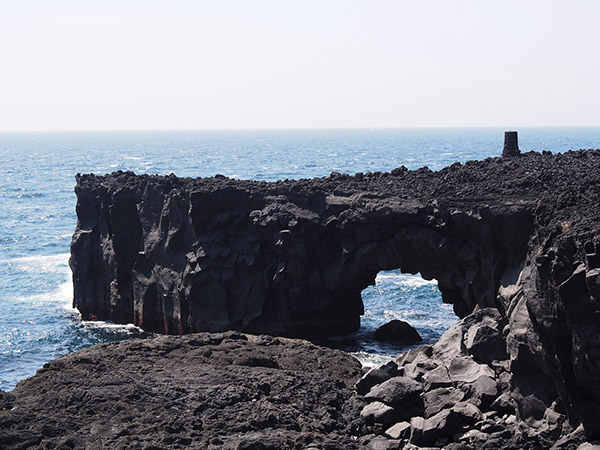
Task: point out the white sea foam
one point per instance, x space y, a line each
369 360
62 295
396 314
404 279
41 263
98 324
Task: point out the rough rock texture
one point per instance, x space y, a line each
177 255
229 391
465 400
514 239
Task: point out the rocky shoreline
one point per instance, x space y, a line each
198 391
514 243
237 391
208 391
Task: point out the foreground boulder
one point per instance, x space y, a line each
230 391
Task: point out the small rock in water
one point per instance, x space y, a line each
398 331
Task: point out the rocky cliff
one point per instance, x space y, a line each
517 237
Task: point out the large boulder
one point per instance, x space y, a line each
441 398
379 413
401 391
425 432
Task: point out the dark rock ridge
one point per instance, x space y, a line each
204 391
517 237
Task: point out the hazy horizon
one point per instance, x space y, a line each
192 130
190 65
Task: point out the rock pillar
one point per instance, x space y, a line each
511 144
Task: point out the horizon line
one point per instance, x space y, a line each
423 127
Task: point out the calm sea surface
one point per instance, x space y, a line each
37 215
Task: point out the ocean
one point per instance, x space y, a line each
37 216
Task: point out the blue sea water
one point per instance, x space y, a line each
37 215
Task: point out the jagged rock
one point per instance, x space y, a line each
413 353
490 423
466 370
485 342
589 446
503 404
425 432
409 446
469 414
380 413
450 344
375 442
376 376
398 331
575 286
419 366
592 280
531 408
178 255
381 443
6 400
475 437
441 398
458 446
571 441
397 391
401 430
436 378
483 391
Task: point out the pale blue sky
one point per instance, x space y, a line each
84 65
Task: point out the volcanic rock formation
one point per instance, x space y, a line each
516 237
201 391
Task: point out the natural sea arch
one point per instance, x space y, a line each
407 297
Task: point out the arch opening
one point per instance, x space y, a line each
401 296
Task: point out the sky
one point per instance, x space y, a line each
178 64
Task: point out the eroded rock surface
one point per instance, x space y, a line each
513 242
464 399
208 391
176 255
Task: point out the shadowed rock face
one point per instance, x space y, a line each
289 258
518 235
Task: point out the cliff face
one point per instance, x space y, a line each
178 255
516 234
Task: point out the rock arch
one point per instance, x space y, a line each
514 239
177 256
